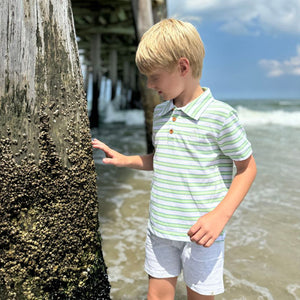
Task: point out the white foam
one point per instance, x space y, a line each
125 186
129 116
117 200
115 270
251 117
142 175
233 281
292 289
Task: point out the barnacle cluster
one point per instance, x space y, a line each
50 247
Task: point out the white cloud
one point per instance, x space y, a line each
242 16
277 68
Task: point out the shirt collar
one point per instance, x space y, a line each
195 108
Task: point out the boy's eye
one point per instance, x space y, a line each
154 78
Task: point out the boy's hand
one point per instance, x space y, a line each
112 157
206 230
209 227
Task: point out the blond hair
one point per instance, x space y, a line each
168 41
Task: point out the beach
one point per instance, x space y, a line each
262 258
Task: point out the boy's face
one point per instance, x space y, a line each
168 84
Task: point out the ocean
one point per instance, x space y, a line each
262 248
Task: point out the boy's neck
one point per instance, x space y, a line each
188 95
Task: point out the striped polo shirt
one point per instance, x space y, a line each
195 146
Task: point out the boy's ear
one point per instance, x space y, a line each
184 65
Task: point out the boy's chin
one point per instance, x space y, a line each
164 98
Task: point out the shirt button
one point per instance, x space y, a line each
174 119
171 131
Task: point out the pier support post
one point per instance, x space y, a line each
113 71
50 246
97 74
142 11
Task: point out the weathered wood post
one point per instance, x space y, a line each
135 90
142 11
97 74
113 71
125 82
50 247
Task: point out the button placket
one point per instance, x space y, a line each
174 118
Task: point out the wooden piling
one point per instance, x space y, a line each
49 239
97 75
143 14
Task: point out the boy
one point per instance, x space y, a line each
196 140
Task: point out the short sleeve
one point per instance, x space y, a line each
232 138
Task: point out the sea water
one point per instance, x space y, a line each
262 258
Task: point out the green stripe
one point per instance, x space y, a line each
190 125
186 142
217 113
211 121
187 158
230 124
176 225
231 133
195 132
236 149
175 217
189 167
188 201
191 184
181 209
183 148
195 176
193 193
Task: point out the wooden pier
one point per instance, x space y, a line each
108 34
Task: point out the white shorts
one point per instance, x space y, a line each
202 267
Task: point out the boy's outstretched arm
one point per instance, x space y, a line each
140 162
208 227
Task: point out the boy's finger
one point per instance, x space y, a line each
209 243
99 145
108 161
196 234
193 230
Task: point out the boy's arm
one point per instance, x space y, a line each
208 227
140 162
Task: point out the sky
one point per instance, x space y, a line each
252 46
